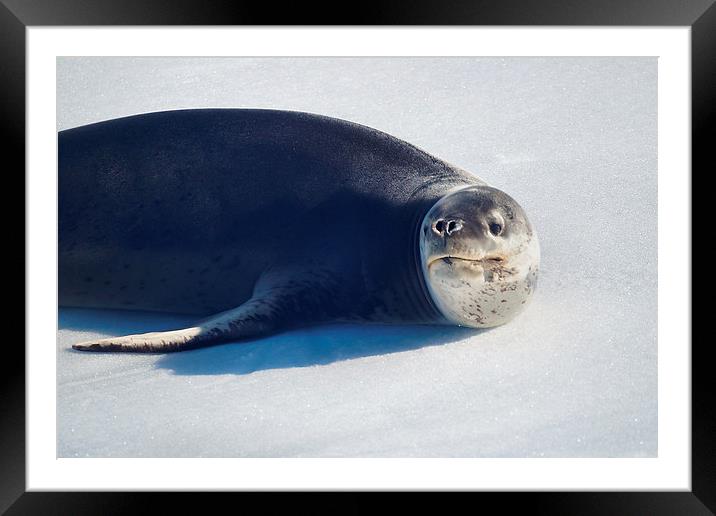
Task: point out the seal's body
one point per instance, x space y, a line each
273 219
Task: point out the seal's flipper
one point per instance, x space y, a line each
281 299
251 319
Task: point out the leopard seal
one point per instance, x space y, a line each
259 221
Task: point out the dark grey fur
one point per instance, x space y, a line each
305 218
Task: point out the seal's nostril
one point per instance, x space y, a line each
442 226
453 226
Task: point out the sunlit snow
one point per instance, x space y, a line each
572 139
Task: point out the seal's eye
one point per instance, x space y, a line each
495 228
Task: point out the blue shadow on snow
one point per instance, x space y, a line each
305 347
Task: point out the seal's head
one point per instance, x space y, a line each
479 255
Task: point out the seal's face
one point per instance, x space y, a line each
479 255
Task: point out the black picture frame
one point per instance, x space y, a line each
17 15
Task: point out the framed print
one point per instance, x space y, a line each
303 212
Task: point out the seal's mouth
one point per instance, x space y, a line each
486 261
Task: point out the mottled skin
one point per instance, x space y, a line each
262 220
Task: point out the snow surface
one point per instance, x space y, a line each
572 139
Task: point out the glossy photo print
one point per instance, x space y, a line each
357 257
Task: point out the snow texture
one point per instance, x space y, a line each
572 139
